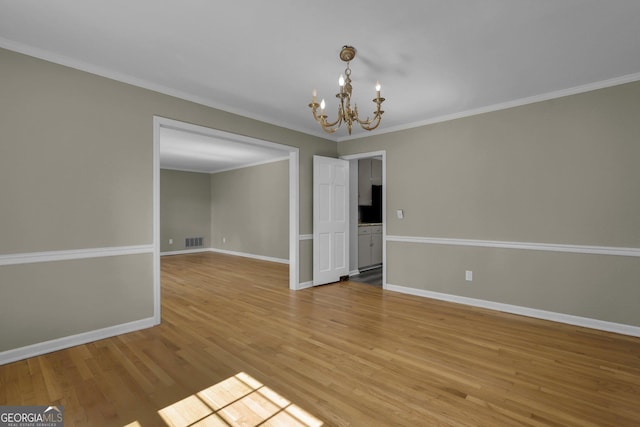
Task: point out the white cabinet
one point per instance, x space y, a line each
369 173
376 247
364 247
369 245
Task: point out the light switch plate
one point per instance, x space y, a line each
400 213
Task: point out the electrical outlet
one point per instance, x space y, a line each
468 275
224 240
171 241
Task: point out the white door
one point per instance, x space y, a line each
330 219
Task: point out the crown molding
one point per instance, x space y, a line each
629 78
145 84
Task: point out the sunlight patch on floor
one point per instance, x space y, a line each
240 400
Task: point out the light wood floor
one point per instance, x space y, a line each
237 346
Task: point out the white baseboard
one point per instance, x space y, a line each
586 322
354 272
73 340
224 251
185 251
370 267
246 255
305 285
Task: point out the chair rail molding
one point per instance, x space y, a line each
549 247
47 256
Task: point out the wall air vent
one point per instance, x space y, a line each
193 242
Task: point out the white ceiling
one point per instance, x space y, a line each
196 152
435 59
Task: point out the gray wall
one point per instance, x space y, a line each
250 208
76 172
48 300
185 208
563 171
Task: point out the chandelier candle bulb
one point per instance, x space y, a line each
322 105
378 89
314 94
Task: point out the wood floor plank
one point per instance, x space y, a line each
347 354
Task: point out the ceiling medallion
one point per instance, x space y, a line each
346 114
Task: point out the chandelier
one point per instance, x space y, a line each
346 114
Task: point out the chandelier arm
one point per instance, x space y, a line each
322 118
368 121
325 123
314 109
331 127
377 116
377 119
338 121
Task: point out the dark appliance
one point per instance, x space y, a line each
376 203
373 213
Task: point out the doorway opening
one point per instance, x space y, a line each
367 235
161 124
